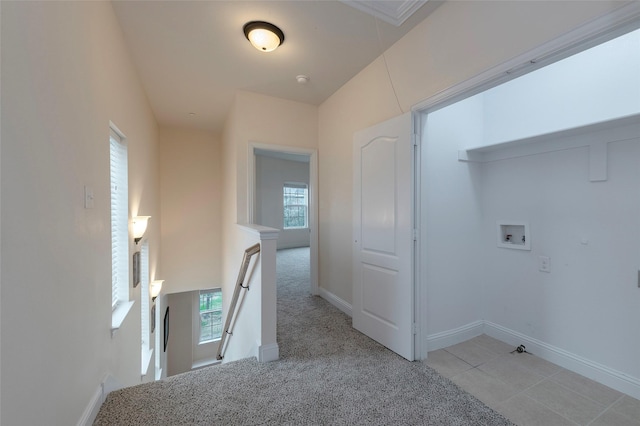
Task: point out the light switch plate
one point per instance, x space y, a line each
544 264
88 197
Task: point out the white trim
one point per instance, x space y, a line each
615 130
119 314
261 232
118 132
109 384
268 353
453 337
90 412
313 197
205 363
147 356
93 407
590 34
600 373
336 301
393 12
419 317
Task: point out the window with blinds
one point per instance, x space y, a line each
144 297
295 203
119 220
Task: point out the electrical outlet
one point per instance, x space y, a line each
544 264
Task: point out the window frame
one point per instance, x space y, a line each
304 205
145 298
119 208
215 338
121 302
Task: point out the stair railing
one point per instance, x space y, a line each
244 266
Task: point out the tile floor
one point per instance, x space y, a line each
529 390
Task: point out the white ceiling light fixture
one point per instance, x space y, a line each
302 79
263 36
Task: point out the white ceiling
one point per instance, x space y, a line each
192 55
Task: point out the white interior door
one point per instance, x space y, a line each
383 287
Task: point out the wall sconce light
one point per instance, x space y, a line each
155 288
139 227
263 36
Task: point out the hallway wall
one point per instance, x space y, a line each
590 232
456 42
66 73
191 190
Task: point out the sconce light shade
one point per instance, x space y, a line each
263 36
155 288
139 227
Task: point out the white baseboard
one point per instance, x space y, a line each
202 363
455 336
90 413
336 301
268 353
600 373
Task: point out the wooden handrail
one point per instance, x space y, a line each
244 266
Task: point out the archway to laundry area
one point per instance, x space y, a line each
547 149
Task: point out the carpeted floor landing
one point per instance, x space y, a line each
328 374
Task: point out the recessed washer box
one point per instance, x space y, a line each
514 235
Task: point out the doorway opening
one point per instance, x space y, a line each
556 149
283 185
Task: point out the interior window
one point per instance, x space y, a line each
210 315
296 201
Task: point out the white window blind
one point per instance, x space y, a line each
144 296
119 220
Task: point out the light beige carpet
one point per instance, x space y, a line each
328 374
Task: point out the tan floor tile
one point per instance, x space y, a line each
446 364
536 364
565 402
487 389
525 411
531 391
471 353
510 372
494 345
587 387
612 418
629 407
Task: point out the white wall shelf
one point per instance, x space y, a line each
596 136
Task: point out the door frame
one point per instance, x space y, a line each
624 19
313 198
